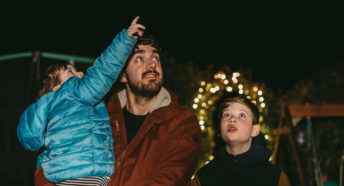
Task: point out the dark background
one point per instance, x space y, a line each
280 43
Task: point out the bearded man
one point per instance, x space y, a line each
156 141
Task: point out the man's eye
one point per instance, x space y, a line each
70 71
242 115
156 59
139 59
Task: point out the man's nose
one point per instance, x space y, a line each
151 64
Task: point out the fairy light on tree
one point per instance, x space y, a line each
207 95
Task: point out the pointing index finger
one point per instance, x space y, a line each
135 20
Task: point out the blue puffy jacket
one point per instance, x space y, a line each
72 123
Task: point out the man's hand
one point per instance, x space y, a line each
135 30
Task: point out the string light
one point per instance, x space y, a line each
262 105
229 89
211 157
194 106
260 92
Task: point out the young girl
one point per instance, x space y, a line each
70 119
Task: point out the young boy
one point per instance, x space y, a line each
239 163
71 121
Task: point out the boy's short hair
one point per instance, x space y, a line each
50 78
243 100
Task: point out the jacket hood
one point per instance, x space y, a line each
163 99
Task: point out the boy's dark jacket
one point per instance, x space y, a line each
250 168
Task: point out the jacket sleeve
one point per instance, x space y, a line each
32 124
104 72
181 155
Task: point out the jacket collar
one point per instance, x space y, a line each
163 99
257 153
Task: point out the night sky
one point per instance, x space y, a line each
279 44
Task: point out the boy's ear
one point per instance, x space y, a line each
123 78
255 130
56 87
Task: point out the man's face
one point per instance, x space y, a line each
236 124
143 74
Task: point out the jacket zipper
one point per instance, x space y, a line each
235 170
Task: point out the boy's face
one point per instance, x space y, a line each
144 73
236 125
67 73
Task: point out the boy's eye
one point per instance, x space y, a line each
70 71
226 115
242 115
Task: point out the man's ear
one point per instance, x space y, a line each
123 78
255 130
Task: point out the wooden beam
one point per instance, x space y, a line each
316 110
282 130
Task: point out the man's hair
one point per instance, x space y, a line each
242 100
148 40
50 78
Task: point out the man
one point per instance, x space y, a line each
157 141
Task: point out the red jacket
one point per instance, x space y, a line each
166 149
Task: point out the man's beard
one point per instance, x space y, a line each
149 89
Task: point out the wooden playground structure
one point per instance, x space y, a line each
290 116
